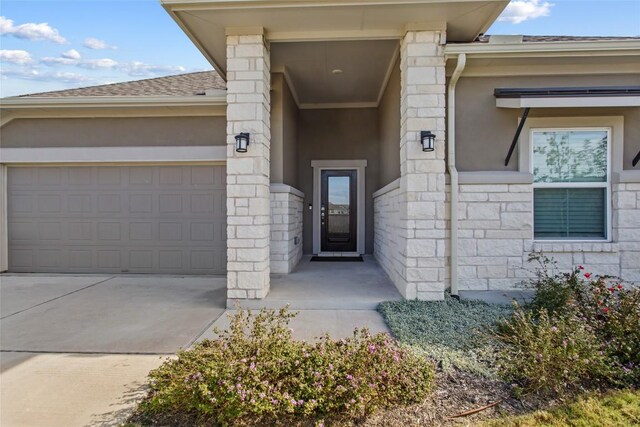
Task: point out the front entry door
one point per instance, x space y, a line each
338 216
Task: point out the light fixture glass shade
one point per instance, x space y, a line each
428 140
242 142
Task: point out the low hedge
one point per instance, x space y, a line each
256 372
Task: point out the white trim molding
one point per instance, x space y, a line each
545 49
284 188
387 188
495 177
113 154
629 176
357 165
219 99
569 101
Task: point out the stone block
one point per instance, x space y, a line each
484 211
499 247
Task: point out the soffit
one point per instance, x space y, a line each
206 22
364 69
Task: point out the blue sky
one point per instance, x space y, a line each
56 44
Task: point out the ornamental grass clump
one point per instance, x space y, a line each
256 372
580 331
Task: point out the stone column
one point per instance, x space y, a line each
422 182
248 196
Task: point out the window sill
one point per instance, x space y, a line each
559 246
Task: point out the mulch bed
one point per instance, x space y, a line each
454 393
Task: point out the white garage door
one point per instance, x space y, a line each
117 219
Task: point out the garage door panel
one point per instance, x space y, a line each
141 219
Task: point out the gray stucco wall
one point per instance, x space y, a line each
290 137
338 134
114 132
484 132
389 128
284 128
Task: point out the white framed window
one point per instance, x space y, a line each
571 170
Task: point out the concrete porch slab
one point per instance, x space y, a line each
310 324
327 286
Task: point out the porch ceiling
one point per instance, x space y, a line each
336 72
206 21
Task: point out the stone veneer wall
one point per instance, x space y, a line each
387 226
496 229
423 231
286 228
248 174
626 228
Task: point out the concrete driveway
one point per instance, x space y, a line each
75 350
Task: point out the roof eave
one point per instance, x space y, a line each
546 49
112 101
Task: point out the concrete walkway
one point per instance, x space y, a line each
328 286
76 350
310 324
50 390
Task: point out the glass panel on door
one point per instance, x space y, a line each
338 211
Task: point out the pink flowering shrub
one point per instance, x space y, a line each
257 371
579 331
550 354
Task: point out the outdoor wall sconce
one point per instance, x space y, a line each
427 139
242 142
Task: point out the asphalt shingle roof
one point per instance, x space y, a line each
180 85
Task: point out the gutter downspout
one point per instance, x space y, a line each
453 172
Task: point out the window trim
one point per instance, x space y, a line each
607 184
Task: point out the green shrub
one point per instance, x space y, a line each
579 330
554 290
256 371
550 354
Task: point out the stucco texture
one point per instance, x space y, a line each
338 134
114 132
484 132
389 128
284 128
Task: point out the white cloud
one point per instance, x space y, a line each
137 68
58 76
30 31
522 10
132 68
73 57
58 61
15 56
95 64
96 44
71 54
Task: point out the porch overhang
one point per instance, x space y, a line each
207 22
568 97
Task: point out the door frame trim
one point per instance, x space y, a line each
320 165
